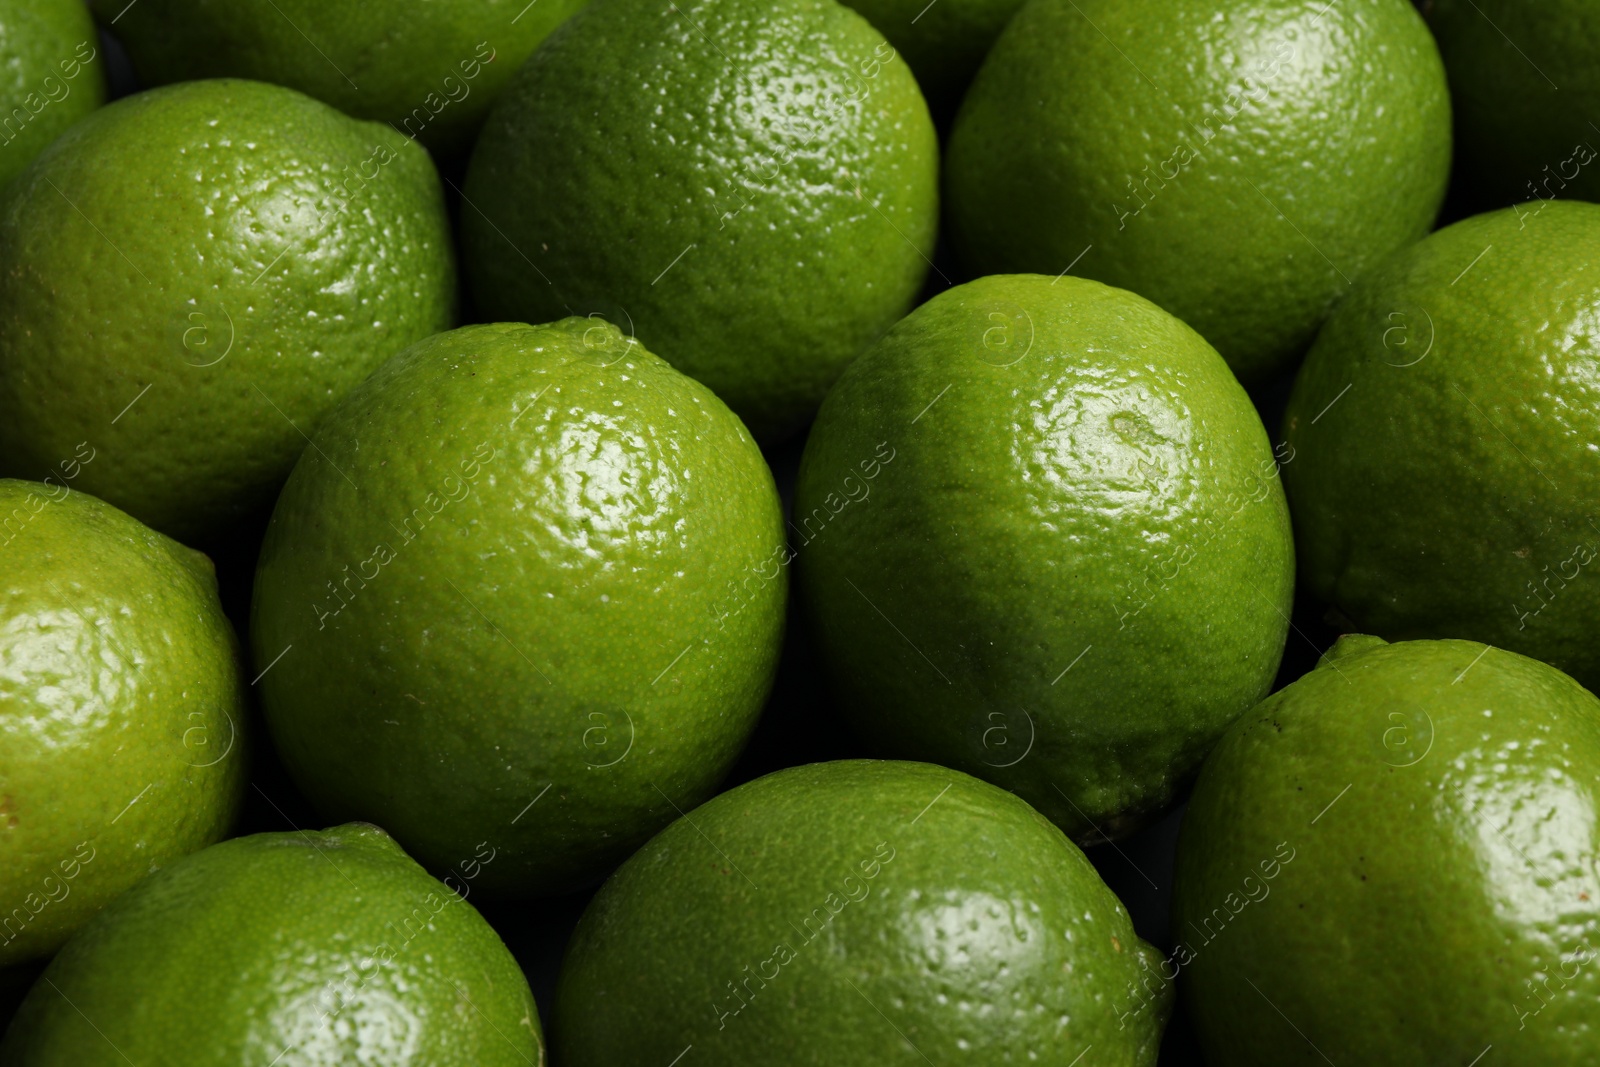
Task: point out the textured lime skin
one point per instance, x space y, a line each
749 186
191 276
545 607
912 915
1523 110
1235 162
50 76
1449 491
944 43
430 69
1042 540
121 709
1436 802
312 949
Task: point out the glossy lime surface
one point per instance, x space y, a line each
1444 429
528 587
192 276
748 186
857 912
312 948
1042 540
1392 861
1238 163
122 708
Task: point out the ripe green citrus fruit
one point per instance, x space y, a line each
1042 540
431 70
1525 85
51 75
1444 431
749 186
1238 163
1392 861
943 42
529 585
121 708
316 949
191 276
852 913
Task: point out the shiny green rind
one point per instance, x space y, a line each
1042 540
1238 163
122 708
1444 429
1393 862
528 586
432 70
856 913
192 276
311 949
52 74
748 186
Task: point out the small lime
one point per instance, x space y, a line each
323 949
1444 430
528 584
1392 862
121 708
191 276
1237 162
859 913
1042 540
749 186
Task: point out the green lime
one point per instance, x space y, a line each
121 707
1525 86
853 913
943 42
191 276
527 584
51 75
1042 540
431 70
306 949
1443 430
1237 162
1392 862
750 186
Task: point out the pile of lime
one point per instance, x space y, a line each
800 532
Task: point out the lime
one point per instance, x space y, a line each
1042 540
858 912
306 949
527 584
1525 84
191 276
943 42
1237 162
51 75
1393 862
749 186
1443 430
121 706
430 70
